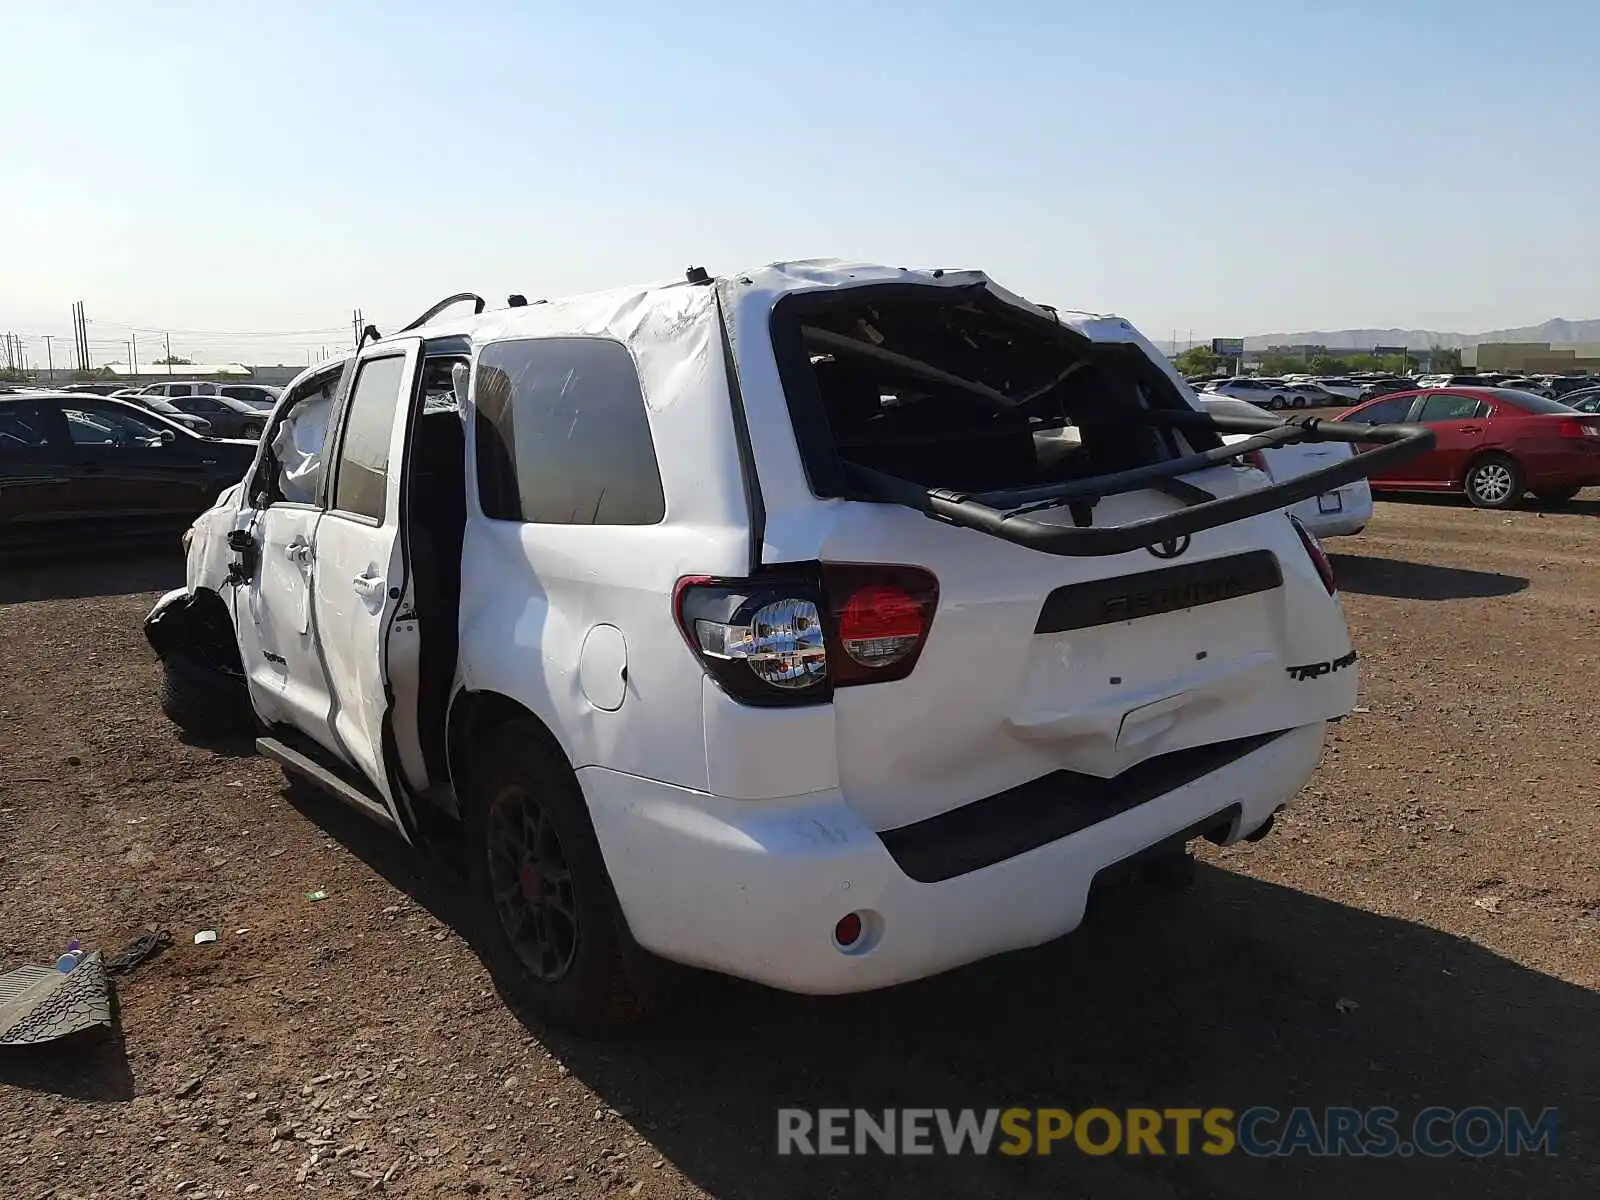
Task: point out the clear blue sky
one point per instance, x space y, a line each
1231 168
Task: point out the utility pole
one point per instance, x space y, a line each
49 357
133 352
168 338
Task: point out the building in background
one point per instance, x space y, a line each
1532 358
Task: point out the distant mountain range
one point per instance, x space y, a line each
1557 332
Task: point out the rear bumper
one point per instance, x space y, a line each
1579 467
755 888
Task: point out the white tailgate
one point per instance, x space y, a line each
992 703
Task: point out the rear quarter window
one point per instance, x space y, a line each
562 435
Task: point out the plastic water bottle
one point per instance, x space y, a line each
71 958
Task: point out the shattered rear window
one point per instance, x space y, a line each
959 390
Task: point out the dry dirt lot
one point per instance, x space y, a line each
1441 872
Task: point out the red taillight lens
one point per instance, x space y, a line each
793 636
1258 460
878 619
1318 558
880 625
1583 429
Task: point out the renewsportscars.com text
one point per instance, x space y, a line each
1258 1132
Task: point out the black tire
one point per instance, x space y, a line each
204 701
567 955
1556 495
1298 401
1275 404
1494 481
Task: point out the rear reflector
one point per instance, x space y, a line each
848 931
1318 558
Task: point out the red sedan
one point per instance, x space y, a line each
1495 444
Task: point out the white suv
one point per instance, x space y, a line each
636 598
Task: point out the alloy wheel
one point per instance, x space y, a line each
532 884
1491 482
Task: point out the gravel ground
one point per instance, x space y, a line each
1422 928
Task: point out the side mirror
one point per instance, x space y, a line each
168 437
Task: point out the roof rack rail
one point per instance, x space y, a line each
477 307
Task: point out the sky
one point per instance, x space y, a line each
244 175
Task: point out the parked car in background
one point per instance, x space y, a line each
93 389
228 417
1584 402
1468 380
257 395
1562 386
1520 383
1494 444
1348 390
1264 393
157 405
74 465
1371 389
1344 510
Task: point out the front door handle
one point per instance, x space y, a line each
1472 429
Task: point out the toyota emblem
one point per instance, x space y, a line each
1170 548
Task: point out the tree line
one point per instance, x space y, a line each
1198 360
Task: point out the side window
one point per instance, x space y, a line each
363 471
1450 408
90 424
562 435
1383 412
23 427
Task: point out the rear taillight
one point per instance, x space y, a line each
1258 460
1587 429
1318 558
793 636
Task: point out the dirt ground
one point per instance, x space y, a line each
1422 928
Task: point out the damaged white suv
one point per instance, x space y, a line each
828 625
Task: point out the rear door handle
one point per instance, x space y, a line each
1472 429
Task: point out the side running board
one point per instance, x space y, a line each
335 785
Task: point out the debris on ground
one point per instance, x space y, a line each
42 1004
